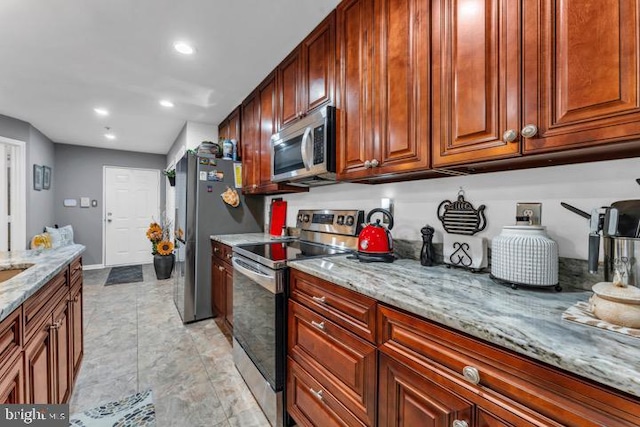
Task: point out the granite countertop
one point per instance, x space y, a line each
47 264
242 239
526 321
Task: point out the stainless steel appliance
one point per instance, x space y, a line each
304 153
260 300
201 212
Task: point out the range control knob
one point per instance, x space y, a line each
299 217
350 220
305 218
340 220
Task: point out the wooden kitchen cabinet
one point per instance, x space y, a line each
222 282
306 77
77 334
230 128
12 381
251 149
476 81
581 76
383 45
40 365
63 330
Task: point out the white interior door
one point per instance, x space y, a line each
132 201
12 195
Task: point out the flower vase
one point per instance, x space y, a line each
163 265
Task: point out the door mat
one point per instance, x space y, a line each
128 274
136 410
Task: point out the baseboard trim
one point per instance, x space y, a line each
92 267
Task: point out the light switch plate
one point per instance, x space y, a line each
532 210
85 202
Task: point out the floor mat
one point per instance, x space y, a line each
128 274
136 410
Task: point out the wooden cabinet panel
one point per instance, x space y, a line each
476 80
318 52
63 351
289 81
251 144
582 82
39 362
77 334
268 105
228 295
312 406
355 130
351 310
11 336
75 270
12 381
223 129
339 361
218 299
409 399
401 70
222 282
40 305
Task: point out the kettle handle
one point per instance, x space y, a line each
383 211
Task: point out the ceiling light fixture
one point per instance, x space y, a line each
101 111
166 103
109 135
184 48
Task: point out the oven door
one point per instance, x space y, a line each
259 317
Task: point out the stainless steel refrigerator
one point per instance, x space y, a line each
201 212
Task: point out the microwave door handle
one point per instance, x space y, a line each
306 149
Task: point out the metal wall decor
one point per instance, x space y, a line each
460 217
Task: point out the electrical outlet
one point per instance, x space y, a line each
532 210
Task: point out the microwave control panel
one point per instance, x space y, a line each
318 145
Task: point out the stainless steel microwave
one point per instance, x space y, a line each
304 153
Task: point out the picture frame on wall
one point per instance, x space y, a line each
37 177
46 177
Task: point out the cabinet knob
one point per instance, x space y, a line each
318 325
216 250
321 299
221 268
367 164
510 135
471 374
317 394
529 131
459 423
375 163
229 256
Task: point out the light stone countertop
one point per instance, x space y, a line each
47 264
524 320
242 239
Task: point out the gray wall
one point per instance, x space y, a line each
40 151
79 172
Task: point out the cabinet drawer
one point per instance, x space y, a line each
41 304
548 391
222 251
342 363
11 335
351 310
75 270
312 406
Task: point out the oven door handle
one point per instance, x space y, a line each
306 149
266 281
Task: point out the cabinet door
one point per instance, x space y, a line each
267 95
582 82
76 331
228 293
12 382
251 144
289 88
39 366
353 93
62 347
218 299
409 399
318 53
476 80
401 71
223 129
234 129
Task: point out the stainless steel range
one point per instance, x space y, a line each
260 299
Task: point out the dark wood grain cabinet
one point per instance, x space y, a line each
230 128
222 282
251 147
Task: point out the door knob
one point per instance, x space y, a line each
510 135
529 131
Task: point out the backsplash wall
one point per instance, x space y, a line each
585 186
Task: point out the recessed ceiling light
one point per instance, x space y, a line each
184 48
101 111
109 136
166 103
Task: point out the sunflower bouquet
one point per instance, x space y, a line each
159 233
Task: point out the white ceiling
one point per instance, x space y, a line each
62 58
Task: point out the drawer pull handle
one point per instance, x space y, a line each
471 374
216 250
317 394
459 423
221 268
229 256
321 299
318 325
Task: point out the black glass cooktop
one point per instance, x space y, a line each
275 253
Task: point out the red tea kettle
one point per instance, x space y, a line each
374 241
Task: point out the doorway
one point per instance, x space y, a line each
13 194
131 203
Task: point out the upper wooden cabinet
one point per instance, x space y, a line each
251 151
306 77
383 94
581 82
229 128
476 80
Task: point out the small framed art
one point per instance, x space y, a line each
37 177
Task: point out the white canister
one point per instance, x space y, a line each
525 255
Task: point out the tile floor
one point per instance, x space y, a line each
134 340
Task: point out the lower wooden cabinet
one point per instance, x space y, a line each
12 381
222 282
63 329
77 340
39 364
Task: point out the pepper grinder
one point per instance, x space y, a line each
427 254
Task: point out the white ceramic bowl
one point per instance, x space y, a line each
616 304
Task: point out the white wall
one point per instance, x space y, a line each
198 132
585 186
